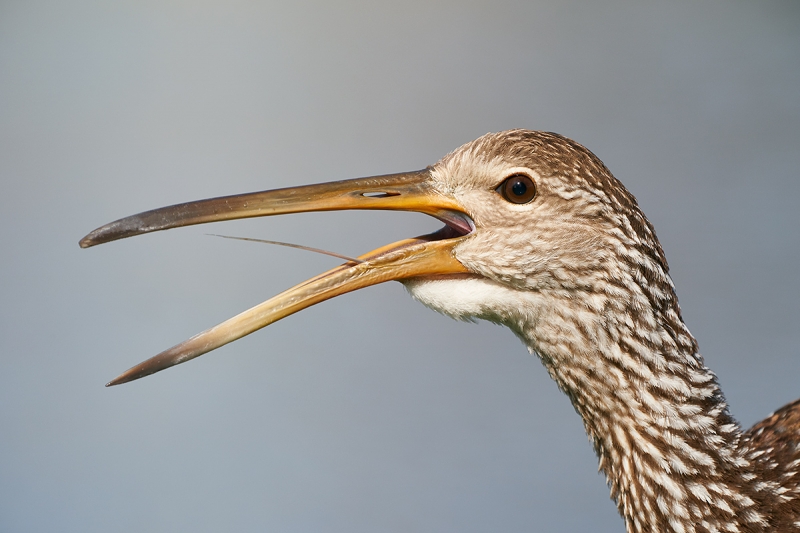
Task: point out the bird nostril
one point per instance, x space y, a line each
379 194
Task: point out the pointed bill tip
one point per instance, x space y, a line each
103 234
119 229
131 374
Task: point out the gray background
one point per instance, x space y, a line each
366 413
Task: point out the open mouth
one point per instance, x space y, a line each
427 255
458 222
456 225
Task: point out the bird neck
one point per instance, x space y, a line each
672 454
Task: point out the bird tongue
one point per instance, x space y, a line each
458 222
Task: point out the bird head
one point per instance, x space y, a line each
545 209
527 215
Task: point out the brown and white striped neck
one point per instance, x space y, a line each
582 279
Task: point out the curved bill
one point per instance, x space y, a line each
408 191
429 255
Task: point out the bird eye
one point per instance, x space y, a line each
518 189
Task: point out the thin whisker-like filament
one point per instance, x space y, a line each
290 245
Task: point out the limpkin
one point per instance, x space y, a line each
540 237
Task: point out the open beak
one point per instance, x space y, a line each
428 255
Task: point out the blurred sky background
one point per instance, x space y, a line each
368 412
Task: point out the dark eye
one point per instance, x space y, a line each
518 189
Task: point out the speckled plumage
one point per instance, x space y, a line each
575 271
579 275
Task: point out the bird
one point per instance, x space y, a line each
540 237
